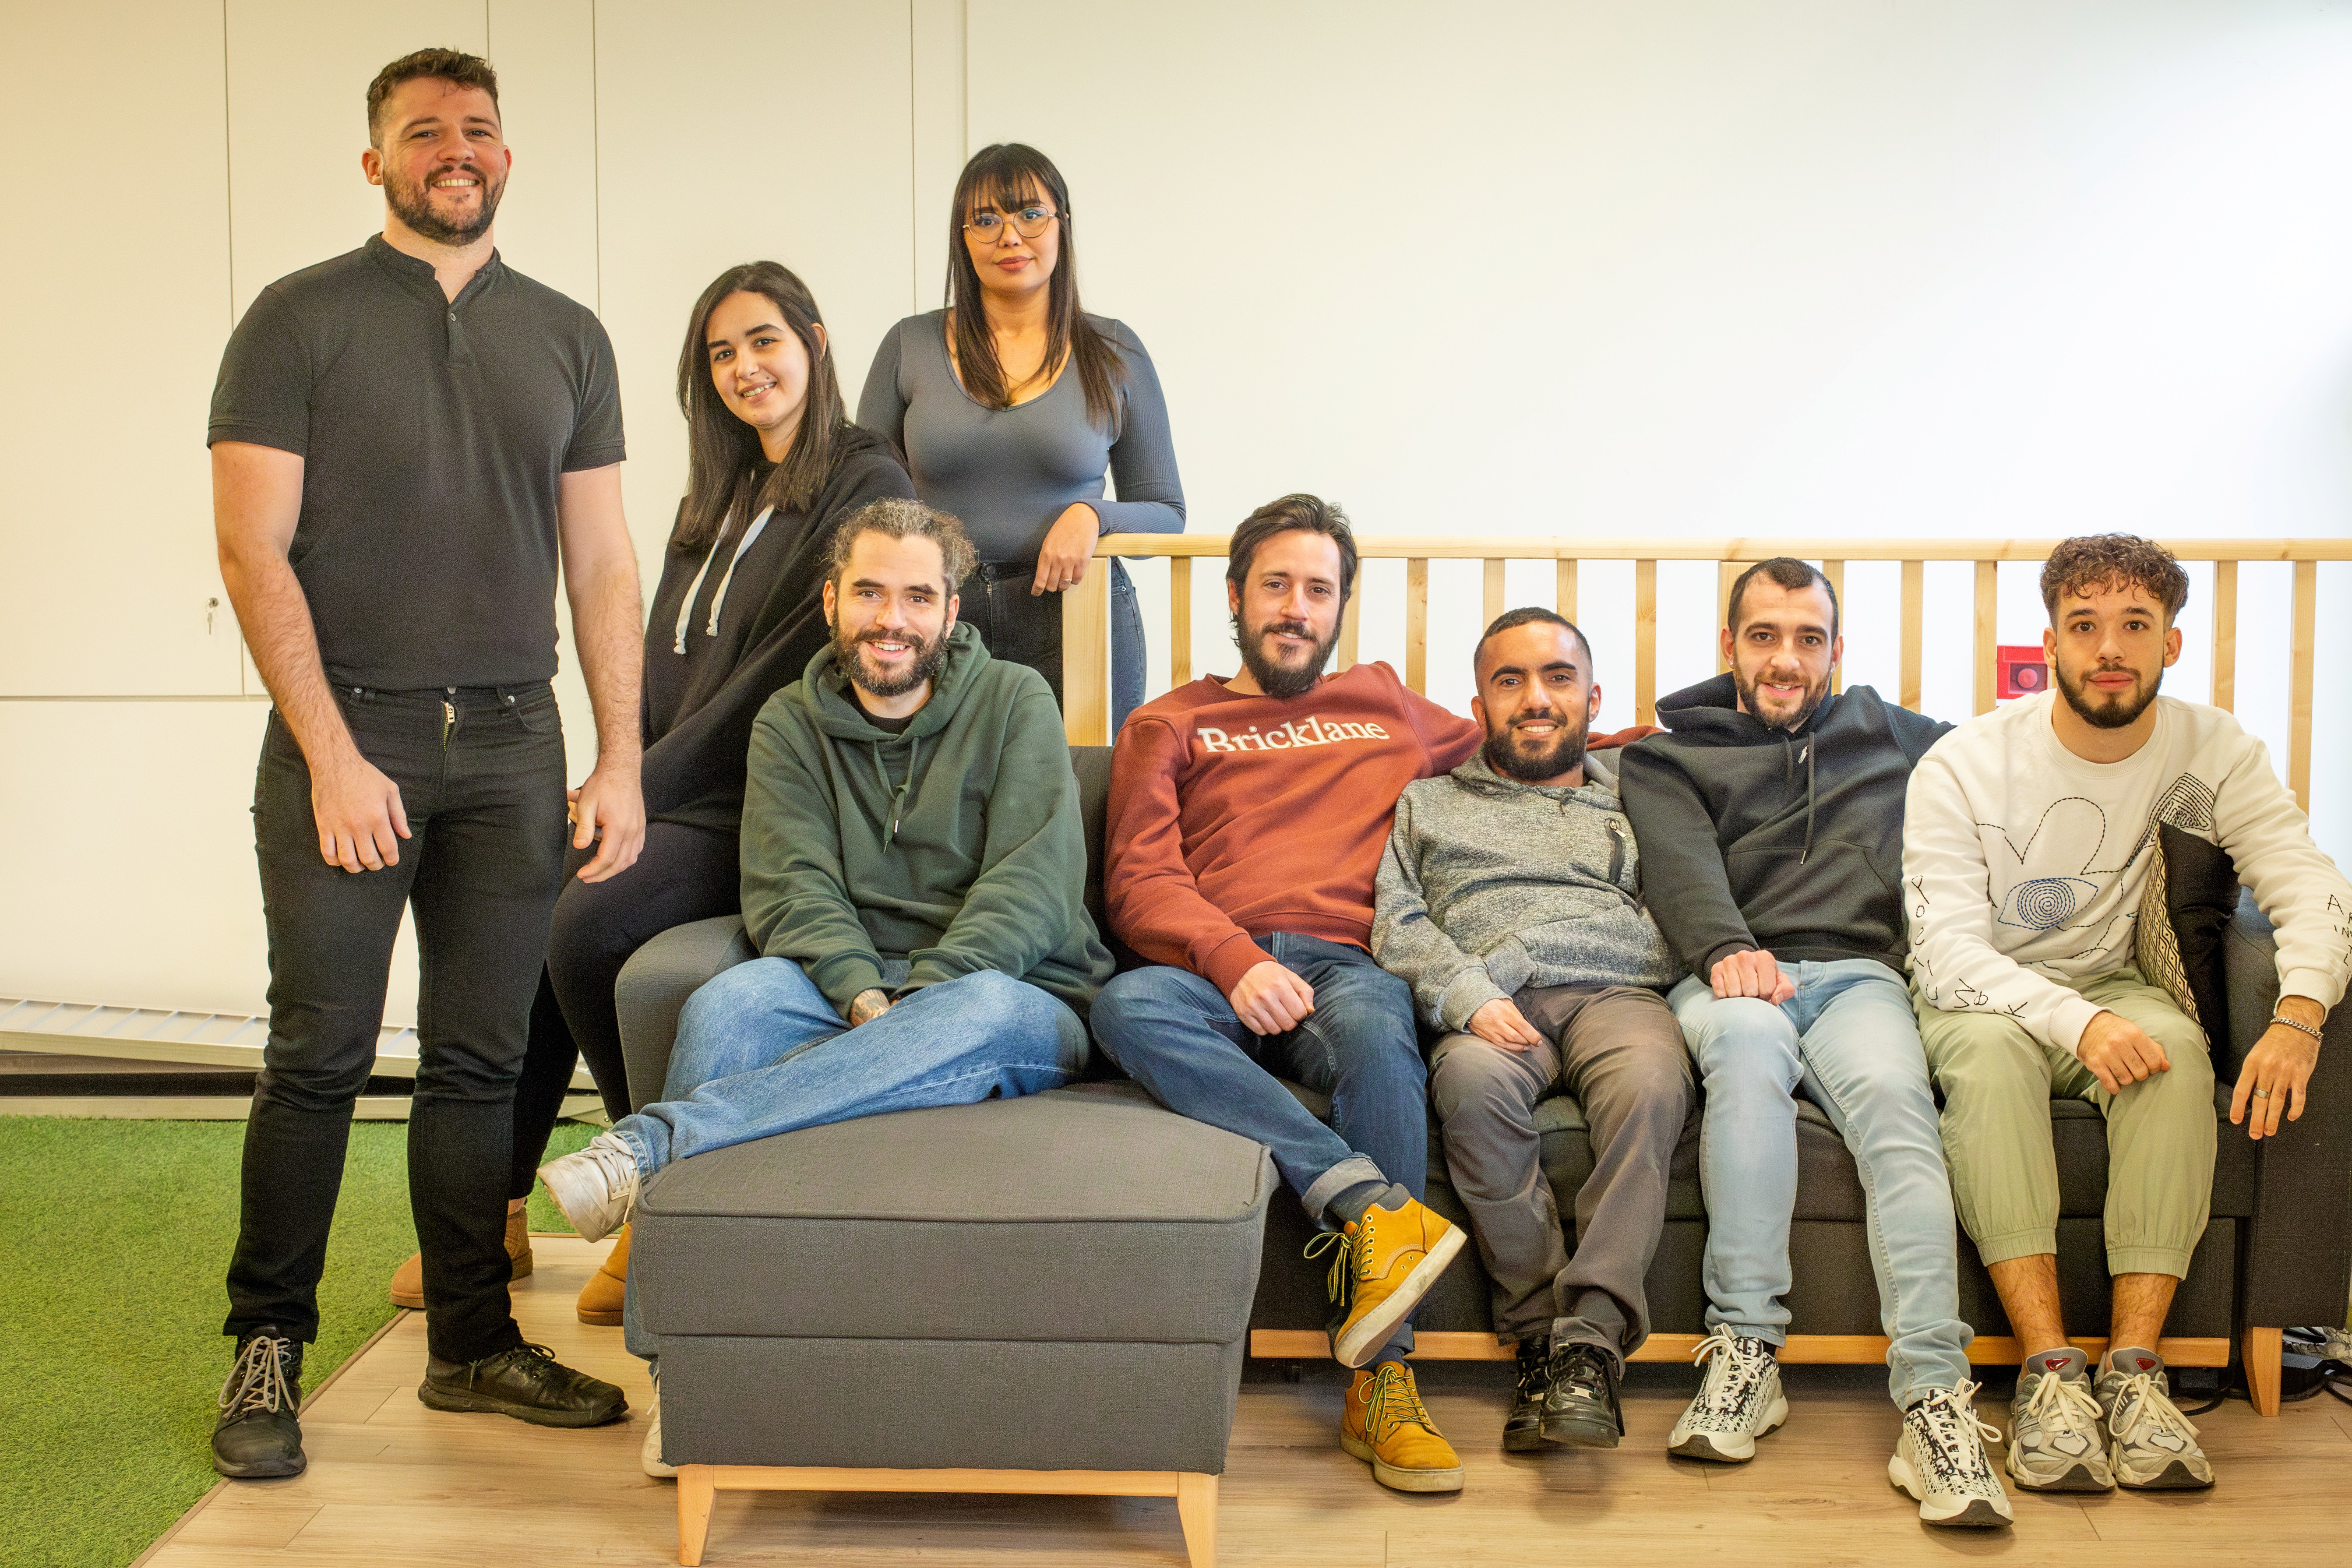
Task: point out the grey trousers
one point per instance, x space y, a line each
1619 1051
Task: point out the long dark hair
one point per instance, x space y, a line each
722 452
1000 175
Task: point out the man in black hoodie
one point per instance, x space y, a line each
1770 816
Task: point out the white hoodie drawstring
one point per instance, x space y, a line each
686 606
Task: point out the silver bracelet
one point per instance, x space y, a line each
2289 1023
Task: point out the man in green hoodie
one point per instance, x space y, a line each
914 870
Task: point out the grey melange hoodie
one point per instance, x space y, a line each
1488 885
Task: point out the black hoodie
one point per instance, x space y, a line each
698 705
1788 841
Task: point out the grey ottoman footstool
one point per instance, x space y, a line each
1040 1295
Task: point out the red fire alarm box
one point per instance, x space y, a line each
2022 673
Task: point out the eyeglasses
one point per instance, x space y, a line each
1029 222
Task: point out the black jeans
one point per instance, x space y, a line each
683 874
1026 628
481 776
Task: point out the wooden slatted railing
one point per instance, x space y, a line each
1085 609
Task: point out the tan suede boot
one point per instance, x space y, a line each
408 1279
601 1297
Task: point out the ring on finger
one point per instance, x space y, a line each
2261 1094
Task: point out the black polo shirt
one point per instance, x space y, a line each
433 436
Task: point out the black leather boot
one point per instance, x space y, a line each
1580 1407
259 1433
1523 1430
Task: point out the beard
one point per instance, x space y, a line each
1794 722
1566 751
2101 711
412 205
928 656
1283 679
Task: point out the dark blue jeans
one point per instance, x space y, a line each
1026 628
1177 1036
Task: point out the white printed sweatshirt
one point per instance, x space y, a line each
2021 861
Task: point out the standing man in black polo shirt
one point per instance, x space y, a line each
407 442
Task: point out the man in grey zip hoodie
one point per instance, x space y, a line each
1509 901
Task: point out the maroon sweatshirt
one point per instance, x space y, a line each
1233 816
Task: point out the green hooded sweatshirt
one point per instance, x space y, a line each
956 845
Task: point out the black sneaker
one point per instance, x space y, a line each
1523 1431
1580 1409
259 1433
526 1382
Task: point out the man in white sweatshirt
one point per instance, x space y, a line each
2031 856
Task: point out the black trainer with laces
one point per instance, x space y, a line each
1580 1407
527 1382
258 1433
1523 1429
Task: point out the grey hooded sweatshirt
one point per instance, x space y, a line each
1489 885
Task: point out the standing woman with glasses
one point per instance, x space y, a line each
772 466
1009 406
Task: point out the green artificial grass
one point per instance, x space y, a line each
111 1299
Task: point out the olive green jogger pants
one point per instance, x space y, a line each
1998 1082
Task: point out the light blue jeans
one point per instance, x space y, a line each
1849 1042
760 1051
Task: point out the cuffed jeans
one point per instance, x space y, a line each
1618 1050
1175 1034
1848 1042
480 773
1997 1082
760 1051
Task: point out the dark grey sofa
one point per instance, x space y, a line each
2277 1253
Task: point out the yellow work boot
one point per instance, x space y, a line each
601 1297
1385 1424
408 1279
1387 1261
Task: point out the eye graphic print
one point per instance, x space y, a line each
2046 903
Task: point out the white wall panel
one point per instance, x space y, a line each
757 131
1821 267
297 80
115 276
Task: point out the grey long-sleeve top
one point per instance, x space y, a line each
1489 885
1009 472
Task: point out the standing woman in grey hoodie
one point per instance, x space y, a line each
1010 405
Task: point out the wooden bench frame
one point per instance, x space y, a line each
1085 609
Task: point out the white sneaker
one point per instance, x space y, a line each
1737 1402
1940 1459
596 1187
2055 1441
649 1458
2155 1447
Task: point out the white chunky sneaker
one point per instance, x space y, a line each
1737 1402
1940 1459
2155 1445
2055 1441
596 1187
650 1456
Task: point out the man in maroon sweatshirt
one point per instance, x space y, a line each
1248 820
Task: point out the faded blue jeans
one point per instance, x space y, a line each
1849 1042
760 1051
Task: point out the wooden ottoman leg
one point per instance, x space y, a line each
1196 1511
697 1491
2260 1350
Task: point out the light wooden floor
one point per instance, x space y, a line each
393 1484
